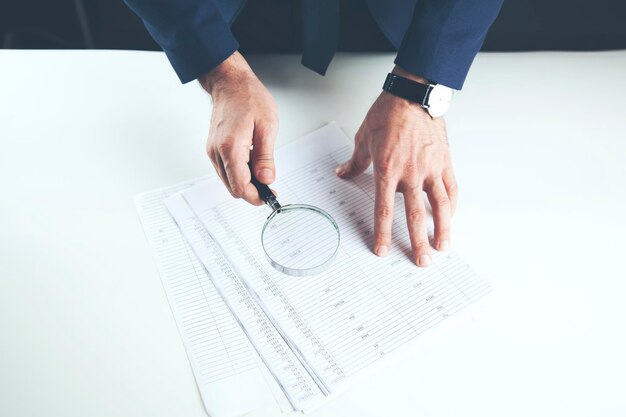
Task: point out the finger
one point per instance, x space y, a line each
221 172
263 152
250 193
440 203
451 189
237 174
416 223
383 214
357 164
214 157
234 154
239 177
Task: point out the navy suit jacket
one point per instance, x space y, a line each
435 39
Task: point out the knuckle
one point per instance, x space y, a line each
220 125
236 191
383 211
263 158
416 215
442 201
453 189
411 168
225 146
384 170
267 127
411 187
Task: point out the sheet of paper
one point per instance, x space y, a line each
287 368
363 308
224 364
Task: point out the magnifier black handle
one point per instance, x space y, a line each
264 191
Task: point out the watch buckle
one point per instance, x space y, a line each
427 95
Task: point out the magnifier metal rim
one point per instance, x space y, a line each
301 272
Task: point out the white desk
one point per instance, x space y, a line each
540 150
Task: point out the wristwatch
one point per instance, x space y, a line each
435 98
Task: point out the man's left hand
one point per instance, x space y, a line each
410 154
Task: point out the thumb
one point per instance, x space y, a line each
263 153
356 165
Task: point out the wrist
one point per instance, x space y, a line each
234 69
406 74
434 98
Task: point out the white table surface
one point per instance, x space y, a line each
539 146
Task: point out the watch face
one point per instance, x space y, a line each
439 100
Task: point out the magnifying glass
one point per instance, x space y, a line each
298 239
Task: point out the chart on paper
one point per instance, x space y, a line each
362 308
220 354
286 367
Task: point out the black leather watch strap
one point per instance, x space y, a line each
407 89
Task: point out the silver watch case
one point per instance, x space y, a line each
439 100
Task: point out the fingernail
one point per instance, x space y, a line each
266 173
339 170
382 250
424 260
444 245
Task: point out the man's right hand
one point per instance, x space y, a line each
244 115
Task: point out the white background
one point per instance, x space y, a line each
539 145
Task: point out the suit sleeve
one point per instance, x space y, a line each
444 37
193 33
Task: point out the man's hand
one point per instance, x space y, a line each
410 154
244 115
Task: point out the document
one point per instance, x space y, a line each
231 377
317 334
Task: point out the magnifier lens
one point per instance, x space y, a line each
300 240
